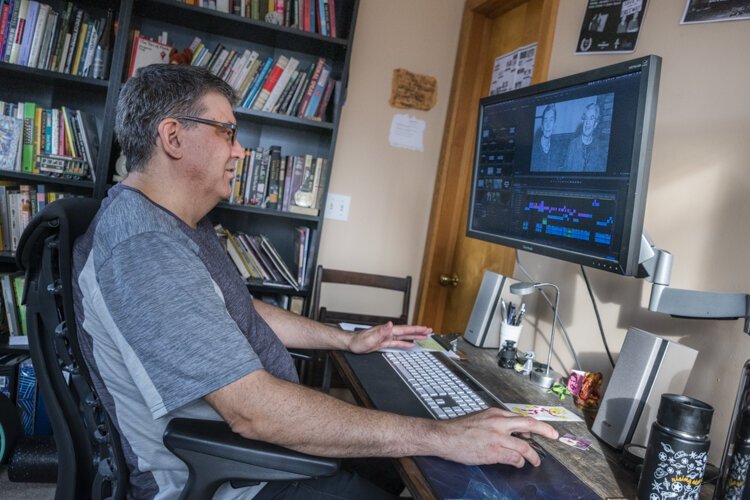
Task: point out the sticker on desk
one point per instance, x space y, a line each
575 441
551 413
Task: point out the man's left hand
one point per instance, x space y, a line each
385 336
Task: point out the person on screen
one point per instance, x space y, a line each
171 329
586 151
544 153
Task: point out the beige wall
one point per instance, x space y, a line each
390 189
698 201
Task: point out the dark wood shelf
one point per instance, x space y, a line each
53 76
265 211
46 179
290 122
7 257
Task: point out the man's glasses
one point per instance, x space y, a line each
230 127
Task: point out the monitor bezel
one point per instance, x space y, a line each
640 163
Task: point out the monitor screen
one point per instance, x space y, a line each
561 168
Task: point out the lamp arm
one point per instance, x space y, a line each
554 323
657 268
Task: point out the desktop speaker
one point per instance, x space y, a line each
483 329
648 366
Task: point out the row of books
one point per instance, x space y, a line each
58 142
314 16
18 205
70 41
280 85
286 183
258 261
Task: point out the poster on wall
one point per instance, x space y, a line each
711 11
513 70
611 26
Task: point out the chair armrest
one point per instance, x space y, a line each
214 455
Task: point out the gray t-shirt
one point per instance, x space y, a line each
163 320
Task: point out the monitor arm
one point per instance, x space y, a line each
656 267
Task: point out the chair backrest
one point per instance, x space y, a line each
90 460
323 314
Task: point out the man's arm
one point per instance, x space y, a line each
260 406
296 331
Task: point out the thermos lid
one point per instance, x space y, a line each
685 414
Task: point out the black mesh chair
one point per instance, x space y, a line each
90 459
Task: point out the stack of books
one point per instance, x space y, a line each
18 205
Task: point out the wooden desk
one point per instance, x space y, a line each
598 467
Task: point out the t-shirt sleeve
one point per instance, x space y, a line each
170 322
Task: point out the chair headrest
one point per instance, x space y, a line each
69 216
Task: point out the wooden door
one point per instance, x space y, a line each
489 29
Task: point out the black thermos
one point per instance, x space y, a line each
677 449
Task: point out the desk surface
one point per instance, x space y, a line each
598 467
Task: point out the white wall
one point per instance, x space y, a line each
698 201
391 189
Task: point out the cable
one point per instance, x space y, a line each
559 320
598 318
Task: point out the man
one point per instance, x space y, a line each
544 153
169 329
586 152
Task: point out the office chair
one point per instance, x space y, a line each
324 315
90 459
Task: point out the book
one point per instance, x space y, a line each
270 83
259 79
38 35
89 139
6 11
317 94
146 52
29 114
11 137
273 177
73 42
28 32
311 86
19 22
289 68
9 303
320 114
278 262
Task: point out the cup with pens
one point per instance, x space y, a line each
510 326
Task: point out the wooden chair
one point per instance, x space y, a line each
325 315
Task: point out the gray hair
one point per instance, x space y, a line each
157 92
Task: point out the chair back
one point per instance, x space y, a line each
324 315
90 460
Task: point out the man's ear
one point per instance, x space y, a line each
171 138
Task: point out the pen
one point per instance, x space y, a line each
511 311
503 312
520 314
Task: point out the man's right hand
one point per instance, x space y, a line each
489 437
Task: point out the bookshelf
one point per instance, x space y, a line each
183 22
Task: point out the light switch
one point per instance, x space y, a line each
337 206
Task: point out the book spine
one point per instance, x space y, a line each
38 36
321 113
73 41
273 178
20 23
311 87
317 94
332 18
28 32
289 68
270 82
4 17
255 89
63 33
29 114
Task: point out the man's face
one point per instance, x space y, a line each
212 151
589 122
548 123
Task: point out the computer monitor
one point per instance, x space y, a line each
561 168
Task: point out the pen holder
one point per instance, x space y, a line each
509 332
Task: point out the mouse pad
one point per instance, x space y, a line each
451 480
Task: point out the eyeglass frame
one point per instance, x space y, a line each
205 121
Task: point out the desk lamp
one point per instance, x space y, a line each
544 378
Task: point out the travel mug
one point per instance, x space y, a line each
677 449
